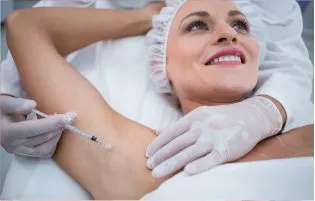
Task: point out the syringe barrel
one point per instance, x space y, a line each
78 131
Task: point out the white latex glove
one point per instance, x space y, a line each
212 135
27 136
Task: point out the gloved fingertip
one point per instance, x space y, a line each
150 163
148 152
69 117
191 169
32 103
156 173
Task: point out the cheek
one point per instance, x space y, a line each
253 49
183 53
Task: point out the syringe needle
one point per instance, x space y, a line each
105 145
80 132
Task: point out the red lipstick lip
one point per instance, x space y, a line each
226 52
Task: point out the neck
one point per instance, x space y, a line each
190 105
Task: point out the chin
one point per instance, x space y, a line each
232 92
239 84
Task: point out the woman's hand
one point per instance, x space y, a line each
212 135
153 9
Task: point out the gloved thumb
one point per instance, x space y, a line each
10 105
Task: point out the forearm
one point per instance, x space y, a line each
70 29
295 143
39 38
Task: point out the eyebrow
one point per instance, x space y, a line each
232 13
198 14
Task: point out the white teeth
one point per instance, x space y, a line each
226 58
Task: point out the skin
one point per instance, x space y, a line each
117 174
195 39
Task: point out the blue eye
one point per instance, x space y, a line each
241 26
197 26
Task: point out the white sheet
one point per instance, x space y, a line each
287 179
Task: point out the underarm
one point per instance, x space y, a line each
119 173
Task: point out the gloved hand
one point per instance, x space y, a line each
212 135
29 136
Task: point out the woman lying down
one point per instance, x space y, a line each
200 34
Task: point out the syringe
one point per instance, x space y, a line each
79 131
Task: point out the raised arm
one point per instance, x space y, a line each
9 77
38 40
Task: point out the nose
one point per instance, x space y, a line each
225 35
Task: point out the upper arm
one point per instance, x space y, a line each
10 82
58 88
46 76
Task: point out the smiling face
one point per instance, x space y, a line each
211 56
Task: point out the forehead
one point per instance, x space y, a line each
213 7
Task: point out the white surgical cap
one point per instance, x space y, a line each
158 37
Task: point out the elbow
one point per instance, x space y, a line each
13 23
14 26
18 24
11 18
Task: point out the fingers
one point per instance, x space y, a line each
39 139
24 151
173 148
178 161
168 135
45 150
26 129
48 149
10 105
205 163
